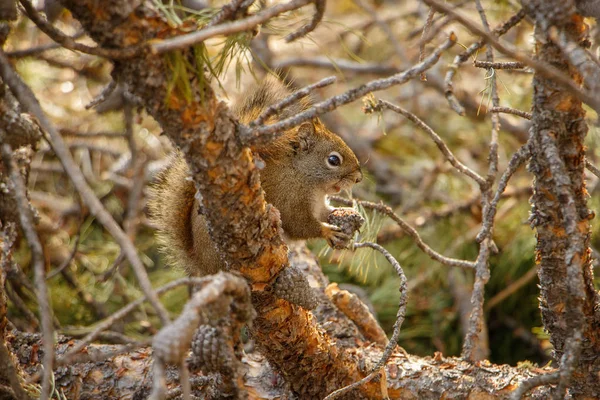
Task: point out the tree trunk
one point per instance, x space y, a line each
560 214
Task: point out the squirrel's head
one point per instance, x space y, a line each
319 157
323 158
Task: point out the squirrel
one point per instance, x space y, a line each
301 167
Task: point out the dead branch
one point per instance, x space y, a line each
256 136
183 41
27 225
540 67
28 101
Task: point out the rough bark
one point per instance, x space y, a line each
558 163
129 375
22 134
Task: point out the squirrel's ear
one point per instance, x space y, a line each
304 137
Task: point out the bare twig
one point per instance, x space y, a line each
464 56
378 368
515 162
28 100
105 134
97 308
228 11
384 26
499 65
18 302
172 343
37 254
107 91
382 104
137 165
508 110
534 382
473 347
386 210
241 25
510 289
592 168
308 28
334 64
422 42
40 49
69 43
291 99
264 134
541 67
70 258
120 314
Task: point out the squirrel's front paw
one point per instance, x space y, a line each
335 237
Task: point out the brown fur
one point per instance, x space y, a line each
295 179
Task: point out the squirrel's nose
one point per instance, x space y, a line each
359 176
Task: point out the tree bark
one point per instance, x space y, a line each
129 375
559 213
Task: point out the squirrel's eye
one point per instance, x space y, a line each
334 159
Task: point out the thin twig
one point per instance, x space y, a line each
261 135
68 260
422 42
105 134
37 255
308 28
526 386
228 11
379 367
291 99
137 165
515 162
227 28
18 302
172 343
499 65
412 232
592 168
473 345
29 102
435 137
384 26
508 110
543 68
339 64
40 49
464 56
107 91
69 43
120 314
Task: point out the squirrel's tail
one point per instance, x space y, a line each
170 205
